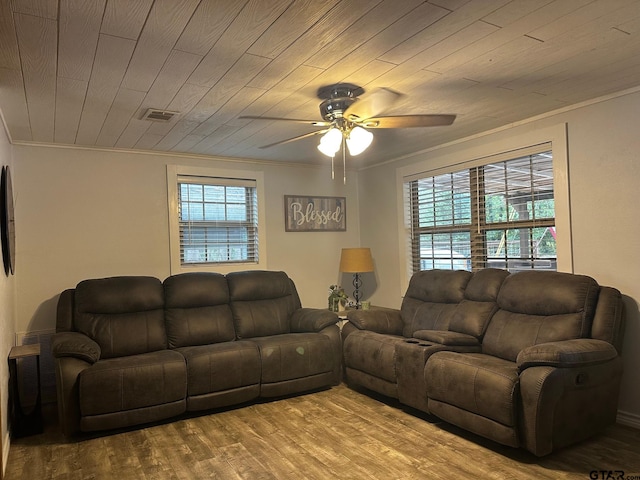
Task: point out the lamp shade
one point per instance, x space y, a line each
356 260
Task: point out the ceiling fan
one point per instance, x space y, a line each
349 113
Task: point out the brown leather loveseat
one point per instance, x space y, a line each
529 359
132 350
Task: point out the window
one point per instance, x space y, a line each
218 220
500 214
215 219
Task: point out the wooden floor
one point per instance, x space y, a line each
332 434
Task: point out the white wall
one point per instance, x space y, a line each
604 172
83 213
7 319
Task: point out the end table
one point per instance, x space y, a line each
23 424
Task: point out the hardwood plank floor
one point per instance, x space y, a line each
338 433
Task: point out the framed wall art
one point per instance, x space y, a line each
315 214
7 226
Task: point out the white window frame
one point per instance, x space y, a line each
173 174
486 153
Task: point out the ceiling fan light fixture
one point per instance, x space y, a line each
359 140
327 150
330 142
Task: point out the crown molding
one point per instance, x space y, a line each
159 153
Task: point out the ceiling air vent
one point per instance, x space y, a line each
156 115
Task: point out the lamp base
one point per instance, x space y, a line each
357 283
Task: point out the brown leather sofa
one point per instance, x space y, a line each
132 350
530 359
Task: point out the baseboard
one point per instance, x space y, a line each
628 419
6 444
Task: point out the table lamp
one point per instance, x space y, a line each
356 261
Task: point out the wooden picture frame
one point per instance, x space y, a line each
304 213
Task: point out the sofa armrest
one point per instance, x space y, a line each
566 354
312 320
75 344
380 320
448 338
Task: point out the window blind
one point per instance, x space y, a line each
518 220
498 214
218 220
441 221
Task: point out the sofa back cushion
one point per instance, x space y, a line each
471 316
431 299
609 318
64 311
262 302
197 310
537 307
124 315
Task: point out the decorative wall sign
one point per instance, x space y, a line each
315 214
8 232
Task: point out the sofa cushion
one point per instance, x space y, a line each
262 303
431 298
439 286
550 293
221 366
472 318
485 285
133 382
123 315
481 384
537 307
472 314
295 355
197 309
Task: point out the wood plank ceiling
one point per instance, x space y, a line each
84 72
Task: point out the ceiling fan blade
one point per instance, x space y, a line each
293 139
296 120
371 104
406 121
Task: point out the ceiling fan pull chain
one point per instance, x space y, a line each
333 173
344 163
